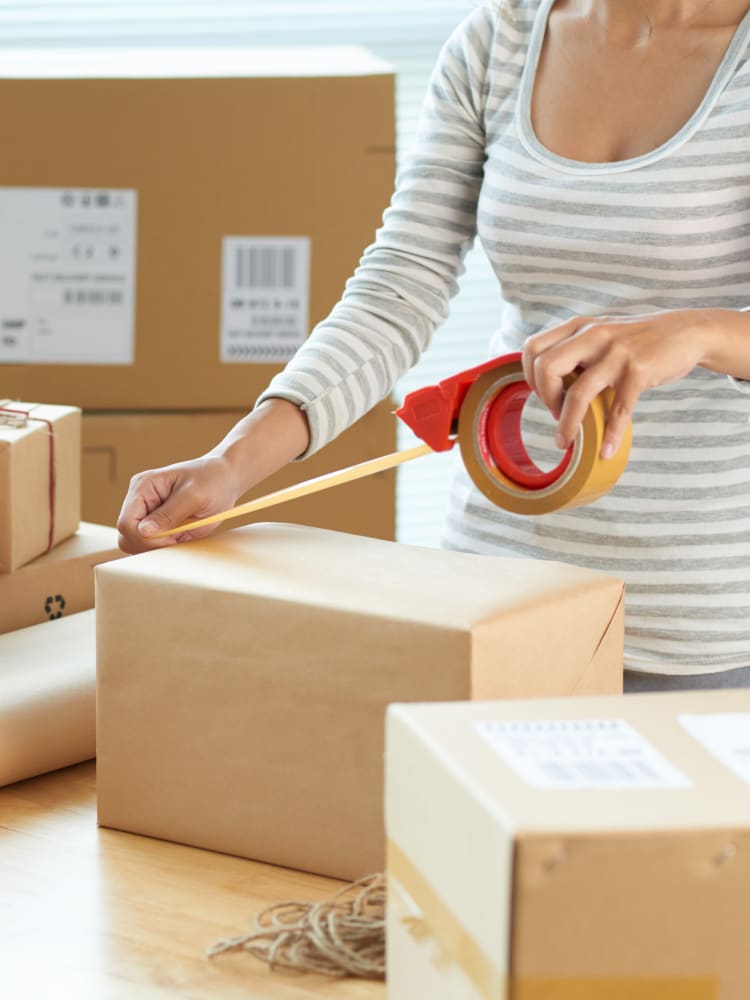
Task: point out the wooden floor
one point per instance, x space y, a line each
95 914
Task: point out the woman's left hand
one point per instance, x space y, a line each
627 353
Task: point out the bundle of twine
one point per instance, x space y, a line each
343 935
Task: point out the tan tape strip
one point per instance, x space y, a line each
437 921
621 988
589 476
457 946
324 482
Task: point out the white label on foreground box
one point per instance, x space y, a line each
581 753
265 290
67 276
725 735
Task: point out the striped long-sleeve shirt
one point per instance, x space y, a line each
666 230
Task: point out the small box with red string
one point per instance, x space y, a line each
40 479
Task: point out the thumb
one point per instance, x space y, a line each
176 510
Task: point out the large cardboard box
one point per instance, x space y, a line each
577 849
243 680
47 699
58 584
202 210
118 445
40 479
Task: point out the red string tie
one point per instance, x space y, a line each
18 419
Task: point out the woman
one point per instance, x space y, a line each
601 150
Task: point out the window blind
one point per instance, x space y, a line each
408 34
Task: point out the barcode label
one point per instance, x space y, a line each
581 754
92 297
265 267
726 735
265 295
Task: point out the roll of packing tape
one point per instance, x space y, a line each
492 448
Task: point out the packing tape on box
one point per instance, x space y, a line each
47 696
492 449
430 921
324 482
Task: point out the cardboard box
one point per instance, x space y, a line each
58 584
243 680
118 445
202 211
577 849
47 699
40 473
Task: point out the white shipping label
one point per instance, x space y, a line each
265 291
67 276
726 735
581 753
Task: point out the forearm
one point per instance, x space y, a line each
274 434
400 292
727 346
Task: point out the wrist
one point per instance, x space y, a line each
726 342
272 435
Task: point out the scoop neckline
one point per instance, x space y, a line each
539 151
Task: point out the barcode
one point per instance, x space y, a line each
256 352
92 297
596 772
578 754
265 267
535 727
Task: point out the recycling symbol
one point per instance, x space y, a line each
54 606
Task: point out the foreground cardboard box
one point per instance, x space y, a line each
47 701
202 211
118 445
40 479
243 680
577 849
58 584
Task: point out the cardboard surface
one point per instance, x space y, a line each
612 870
47 700
58 584
233 144
243 680
116 446
40 489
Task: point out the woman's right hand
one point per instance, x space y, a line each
160 499
260 444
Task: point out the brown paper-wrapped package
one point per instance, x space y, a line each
40 479
243 680
47 700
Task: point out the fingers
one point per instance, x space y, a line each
593 349
144 495
582 393
555 363
618 420
178 509
540 343
578 398
157 501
